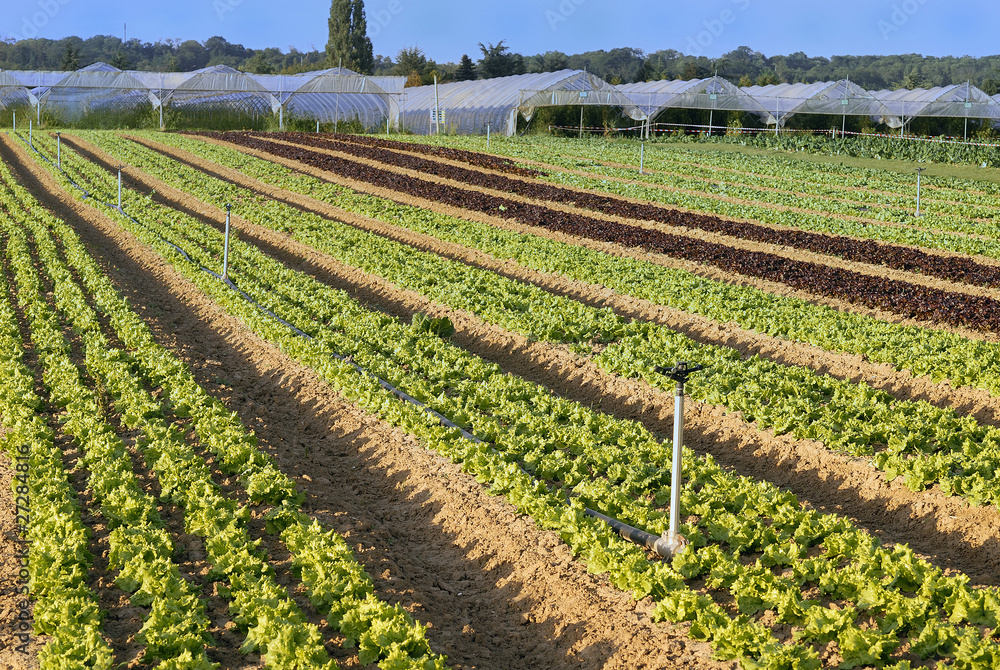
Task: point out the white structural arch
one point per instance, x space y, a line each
712 94
338 94
97 89
469 107
13 93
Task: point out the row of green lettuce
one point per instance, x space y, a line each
174 629
922 443
881 148
752 545
59 556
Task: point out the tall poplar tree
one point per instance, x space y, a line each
349 44
362 58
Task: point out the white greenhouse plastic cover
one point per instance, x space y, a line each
956 101
824 97
579 88
337 93
323 94
466 107
220 86
98 88
713 93
13 93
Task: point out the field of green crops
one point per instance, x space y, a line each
839 332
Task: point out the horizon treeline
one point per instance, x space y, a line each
743 65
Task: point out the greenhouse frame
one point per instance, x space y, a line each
834 98
467 107
961 101
713 94
324 96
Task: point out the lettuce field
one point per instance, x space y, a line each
365 429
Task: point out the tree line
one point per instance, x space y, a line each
350 46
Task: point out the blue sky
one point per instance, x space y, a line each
446 29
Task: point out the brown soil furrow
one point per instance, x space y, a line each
694 233
18 643
824 479
498 592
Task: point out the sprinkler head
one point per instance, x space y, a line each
670 544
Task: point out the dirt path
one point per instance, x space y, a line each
18 645
944 529
497 592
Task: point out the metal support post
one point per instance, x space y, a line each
119 187
225 249
317 126
680 374
59 150
642 153
487 136
919 171
437 108
30 142
581 122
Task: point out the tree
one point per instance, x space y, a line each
550 61
768 77
71 59
258 64
411 61
191 55
466 69
361 58
497 62
913 80
349 45
120 60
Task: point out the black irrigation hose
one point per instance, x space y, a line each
655 543
640 537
